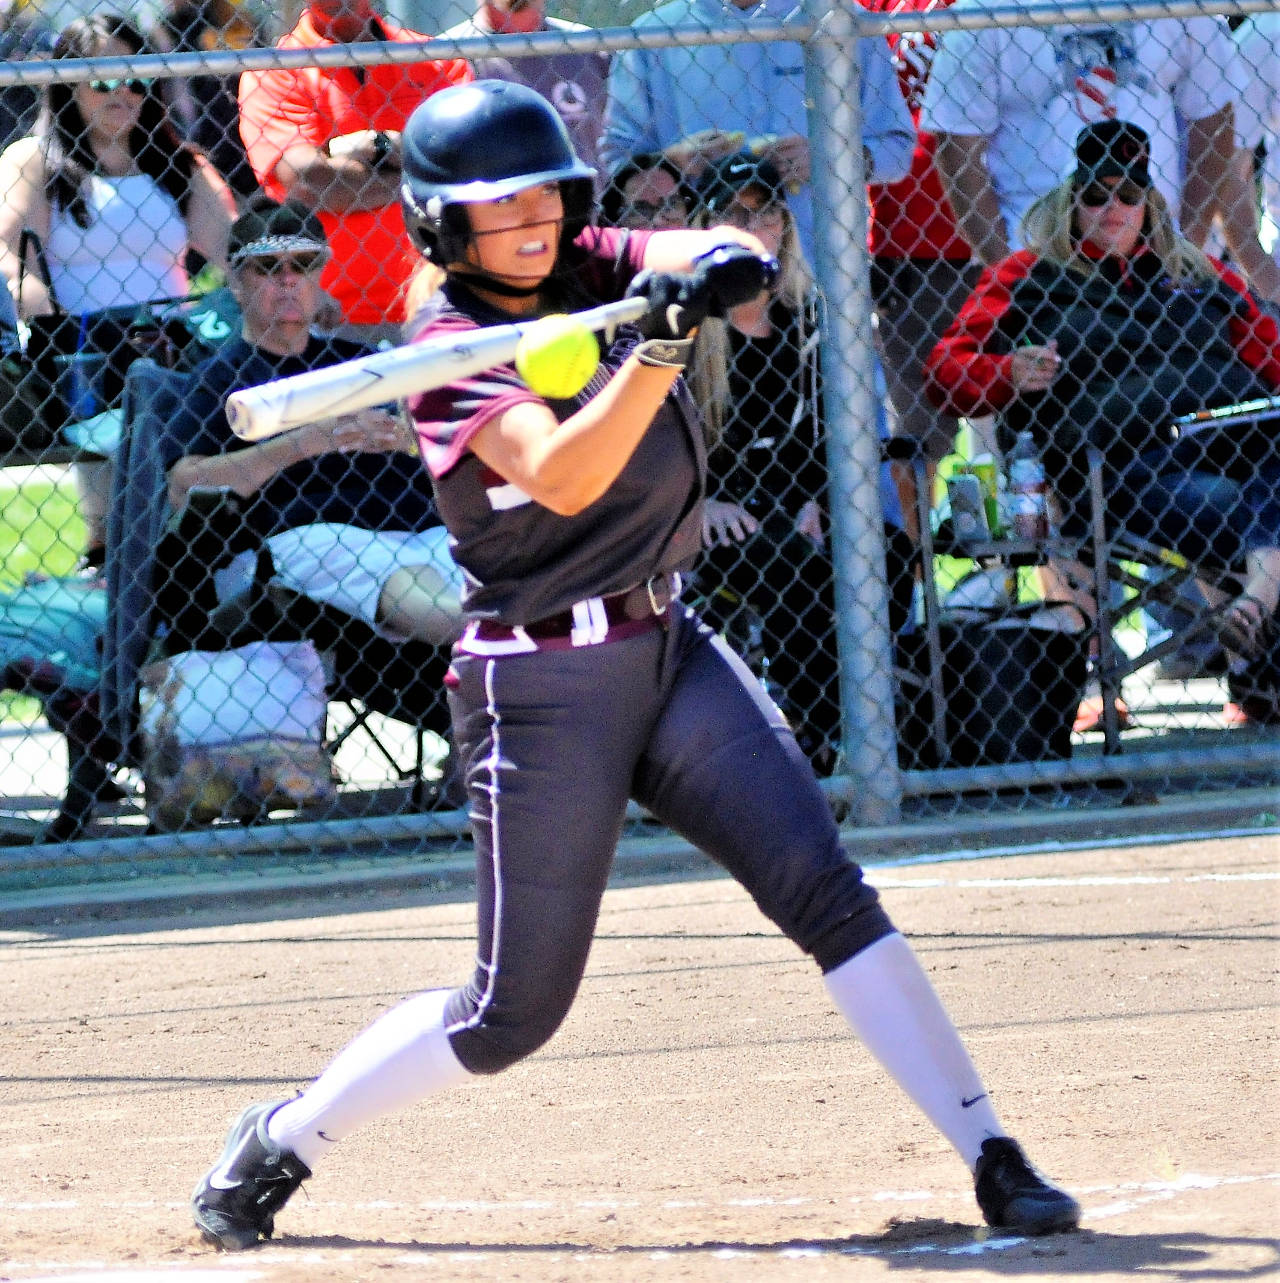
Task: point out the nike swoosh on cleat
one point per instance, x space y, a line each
216 1181
964 1104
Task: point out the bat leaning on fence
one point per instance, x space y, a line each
384 377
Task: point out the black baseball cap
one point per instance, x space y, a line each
723 179
270 230
1113 149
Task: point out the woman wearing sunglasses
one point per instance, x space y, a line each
1103 330
112 195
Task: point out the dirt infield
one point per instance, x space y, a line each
702 1115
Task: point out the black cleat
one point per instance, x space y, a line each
1014 1196
236 1202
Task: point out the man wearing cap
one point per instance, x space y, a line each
344 505
697 103
330 138
1006 104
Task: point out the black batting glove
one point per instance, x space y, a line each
729 275
680 301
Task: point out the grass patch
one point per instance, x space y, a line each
40 529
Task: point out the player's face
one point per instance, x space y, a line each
1110 213
516 238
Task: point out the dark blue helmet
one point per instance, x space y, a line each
478 142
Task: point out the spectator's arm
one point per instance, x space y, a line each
888 133
629 124
1211 145
25 205
247 471
1239 209
210 212
345 174
961 162
965 373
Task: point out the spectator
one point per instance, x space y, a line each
922 269
1106 326
115 199
330 138
343 505
765 524
647 190
699 103
574 83
1006 104
207 105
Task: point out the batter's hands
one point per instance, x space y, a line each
724 524
1033 369
719 280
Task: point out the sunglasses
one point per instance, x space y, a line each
301 264
650 209
134 85
1095 195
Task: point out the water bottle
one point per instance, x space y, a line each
1028 490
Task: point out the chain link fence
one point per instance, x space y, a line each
995 483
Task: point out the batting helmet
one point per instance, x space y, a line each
478 142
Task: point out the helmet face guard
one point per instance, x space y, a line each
480 142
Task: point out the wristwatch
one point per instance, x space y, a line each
382 150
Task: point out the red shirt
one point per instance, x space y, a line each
912 218
372 256
967 374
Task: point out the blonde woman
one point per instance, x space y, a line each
755 377
1107 326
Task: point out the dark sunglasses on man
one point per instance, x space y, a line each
275 264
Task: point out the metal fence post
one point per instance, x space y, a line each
833 74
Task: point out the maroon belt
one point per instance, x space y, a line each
585 623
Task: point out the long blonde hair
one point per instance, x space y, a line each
1048 230
709 369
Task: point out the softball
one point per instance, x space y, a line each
556 357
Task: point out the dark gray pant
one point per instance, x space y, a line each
554 743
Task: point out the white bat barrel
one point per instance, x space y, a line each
385 377
377 379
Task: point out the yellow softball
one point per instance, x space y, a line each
556 357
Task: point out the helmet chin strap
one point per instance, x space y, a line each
495 286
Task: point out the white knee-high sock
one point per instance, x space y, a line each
401 1058
886 997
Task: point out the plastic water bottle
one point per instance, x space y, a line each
1028 490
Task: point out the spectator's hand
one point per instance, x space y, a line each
182 476
693 153
1033 369
328 312
789 156
809 522
726 523
373 430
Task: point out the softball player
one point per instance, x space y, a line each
581 681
